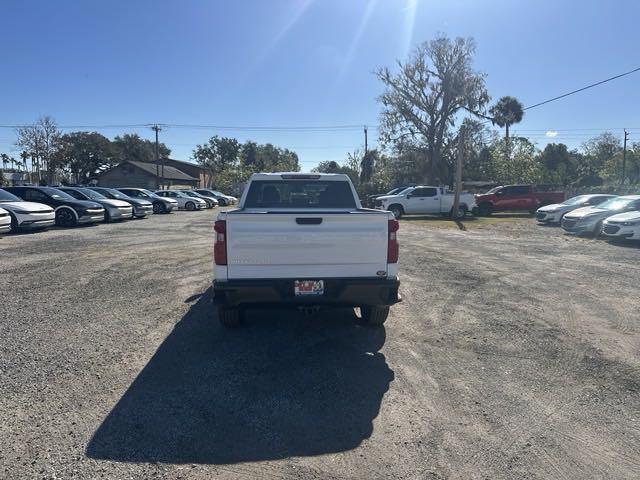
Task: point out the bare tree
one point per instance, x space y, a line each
422 100
41 140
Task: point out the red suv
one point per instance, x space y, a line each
510 198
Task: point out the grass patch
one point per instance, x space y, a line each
469 223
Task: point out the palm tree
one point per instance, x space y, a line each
506 112
367 166
5 160
24 155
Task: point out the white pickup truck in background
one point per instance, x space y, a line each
304 240
425 200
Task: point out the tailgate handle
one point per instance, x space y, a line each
309 220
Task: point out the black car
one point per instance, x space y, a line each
141 208
160 204
69 211
223 201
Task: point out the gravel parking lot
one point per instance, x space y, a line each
514 354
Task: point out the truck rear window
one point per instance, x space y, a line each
299 194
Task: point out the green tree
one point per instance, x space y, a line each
220 156
249 156
558 163
520 166
611 171
423 100
506 112
131 147
331 166
85 153
596 153
477 161
328 166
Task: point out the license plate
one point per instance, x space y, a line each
308 287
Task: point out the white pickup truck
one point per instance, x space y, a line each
423 200
304 240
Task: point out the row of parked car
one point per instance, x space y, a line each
610 215
34 207
598 214
424 199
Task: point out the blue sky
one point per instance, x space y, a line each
302 63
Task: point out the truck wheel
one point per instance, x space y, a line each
396 210
462 212
485 209
374 314
229 317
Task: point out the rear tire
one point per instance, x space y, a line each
462 212
374 314
485 209
230 317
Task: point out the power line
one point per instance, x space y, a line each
135 125
268 128
576 129
256 128
582 89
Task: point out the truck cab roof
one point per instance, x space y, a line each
299 176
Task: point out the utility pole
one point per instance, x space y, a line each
458 186
156 128
366 145
624 155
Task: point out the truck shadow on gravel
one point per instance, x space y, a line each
283 385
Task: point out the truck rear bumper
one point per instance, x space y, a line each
345 292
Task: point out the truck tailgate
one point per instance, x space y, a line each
306 245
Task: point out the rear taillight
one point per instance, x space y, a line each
220 246
393 249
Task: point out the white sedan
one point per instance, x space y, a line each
5 221
26 215
553 213
624 225
185 202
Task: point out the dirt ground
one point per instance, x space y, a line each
514 354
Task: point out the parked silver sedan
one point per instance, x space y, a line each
113 209
553 213
210 201
160 204
591 219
